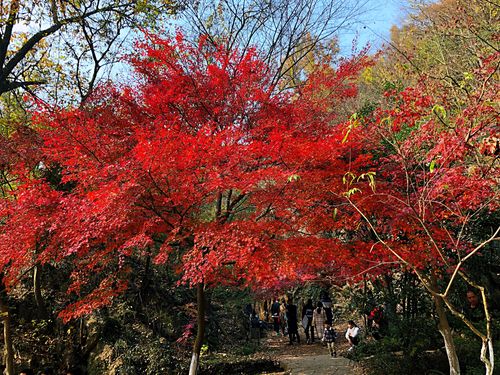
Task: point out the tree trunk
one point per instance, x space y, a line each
37 288
489 363
200 332
414 297
7 337
445 330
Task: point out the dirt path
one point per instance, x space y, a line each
309 359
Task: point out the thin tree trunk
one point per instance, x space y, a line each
7 337
200 333
414 297
487 342
365 304
37 288
487 346
445 330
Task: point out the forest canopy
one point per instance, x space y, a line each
243 153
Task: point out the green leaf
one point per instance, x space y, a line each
370 176
293 177
348 175
468 76
352 191
432 166
353 124
439 111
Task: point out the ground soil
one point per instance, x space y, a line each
312 359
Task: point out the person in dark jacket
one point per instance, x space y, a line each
474 310
307 317
291 318
327 307
275 313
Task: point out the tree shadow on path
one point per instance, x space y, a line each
311 359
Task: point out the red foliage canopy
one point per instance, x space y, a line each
201 158
434 178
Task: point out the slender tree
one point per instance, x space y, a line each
436 177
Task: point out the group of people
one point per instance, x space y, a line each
316 320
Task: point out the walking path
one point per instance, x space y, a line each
311 359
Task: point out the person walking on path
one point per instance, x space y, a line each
275 313
326 301
307 317
329 336
291 317
352 334
318 321
283 322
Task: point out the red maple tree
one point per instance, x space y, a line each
200 157
436 175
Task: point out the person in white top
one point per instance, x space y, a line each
352 334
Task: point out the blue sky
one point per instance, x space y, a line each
374 26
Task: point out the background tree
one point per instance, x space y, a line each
444 41
285 32
19 144
436 178
82 34
423 54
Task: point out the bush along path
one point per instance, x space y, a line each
313 359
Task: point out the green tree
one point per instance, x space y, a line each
79 37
